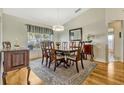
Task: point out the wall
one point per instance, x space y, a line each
14 28
113 14
0 44
0 28
122 53
92 22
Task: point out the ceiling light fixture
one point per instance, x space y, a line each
58 27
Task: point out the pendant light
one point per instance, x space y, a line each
58 27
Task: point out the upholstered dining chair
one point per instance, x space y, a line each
6 45
54 58
64 45
72 44
46 47
77 57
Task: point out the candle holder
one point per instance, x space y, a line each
58 44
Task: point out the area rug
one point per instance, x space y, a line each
62 76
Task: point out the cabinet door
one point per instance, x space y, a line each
15 60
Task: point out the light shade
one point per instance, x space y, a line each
58 28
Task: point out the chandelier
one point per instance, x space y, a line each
58 27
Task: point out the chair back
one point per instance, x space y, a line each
52 54
79 51
52 45
64 45
46 46
72 45
6 45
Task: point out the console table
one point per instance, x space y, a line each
13 60
88 50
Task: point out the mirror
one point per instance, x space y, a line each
75 34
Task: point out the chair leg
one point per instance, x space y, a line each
46 61
55 67
82 64
77 67
69 61
72 63
49 64
42 59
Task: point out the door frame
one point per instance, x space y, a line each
123 38
122 34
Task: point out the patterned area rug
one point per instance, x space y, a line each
62 76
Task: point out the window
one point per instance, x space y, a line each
37 35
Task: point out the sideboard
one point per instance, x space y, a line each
14 59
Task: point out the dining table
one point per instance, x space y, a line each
65 52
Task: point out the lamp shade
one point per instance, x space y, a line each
58 28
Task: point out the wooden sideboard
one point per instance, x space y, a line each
13 60
88 50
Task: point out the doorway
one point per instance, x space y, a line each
111 45
115 41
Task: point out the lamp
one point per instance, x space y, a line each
58 27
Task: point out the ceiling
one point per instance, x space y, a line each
48 16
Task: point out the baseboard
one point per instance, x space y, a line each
31 59
100 60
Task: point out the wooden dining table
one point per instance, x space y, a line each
65 53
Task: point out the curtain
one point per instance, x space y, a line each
38 29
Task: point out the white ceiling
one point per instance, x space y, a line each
48 16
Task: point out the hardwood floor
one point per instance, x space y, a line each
112 73
18 77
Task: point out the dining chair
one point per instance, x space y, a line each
77 57
6 45
46 47
55 58
72 44
64 45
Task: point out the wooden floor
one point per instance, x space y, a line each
107 74
112 73
18 77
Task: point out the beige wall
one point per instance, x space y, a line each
114 14
0 42
14 28
92 22
0 28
